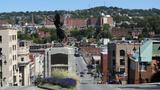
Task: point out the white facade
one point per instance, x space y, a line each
59 57
8 46
107 20
36 67
24 63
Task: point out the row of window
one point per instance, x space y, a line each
122 53
13 48
122 62
12 37
14 57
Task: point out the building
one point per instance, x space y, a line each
88 52
36 66
107 20
48 23
93 22
119 32
24 62
104 65
43 34
136 32
144 64
39 48
9 61
75 23
118 58
59 58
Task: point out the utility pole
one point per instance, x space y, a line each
139 63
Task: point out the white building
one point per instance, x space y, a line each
36 65
9 63
39 58
107 20
24 62
59 58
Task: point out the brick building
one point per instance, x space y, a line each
75 23
104 65
88 52
118 59
93 22
119 32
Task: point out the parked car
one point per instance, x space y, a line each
81 72
81 75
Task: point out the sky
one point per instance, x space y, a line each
51 5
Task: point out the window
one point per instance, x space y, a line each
13 67
21 44
144 66
114 62
14 47
12 37
0 39
113 53
122 53
22 59
13 57
122 62
122 70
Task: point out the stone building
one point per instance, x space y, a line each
9 61
24 62
59 58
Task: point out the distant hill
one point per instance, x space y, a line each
85 13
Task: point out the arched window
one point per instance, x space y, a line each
122 53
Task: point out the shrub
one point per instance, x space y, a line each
64 82
60 73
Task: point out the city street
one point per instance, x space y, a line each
86 81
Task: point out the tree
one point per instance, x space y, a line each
106 27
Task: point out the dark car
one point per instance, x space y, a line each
81 72
81 75
76 55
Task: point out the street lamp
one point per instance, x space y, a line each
139 63
2 57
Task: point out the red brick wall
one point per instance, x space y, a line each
119 32
75 23
104 67
134 74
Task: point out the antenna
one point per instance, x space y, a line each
104 3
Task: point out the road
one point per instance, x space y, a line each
87 82
21 88
138 87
